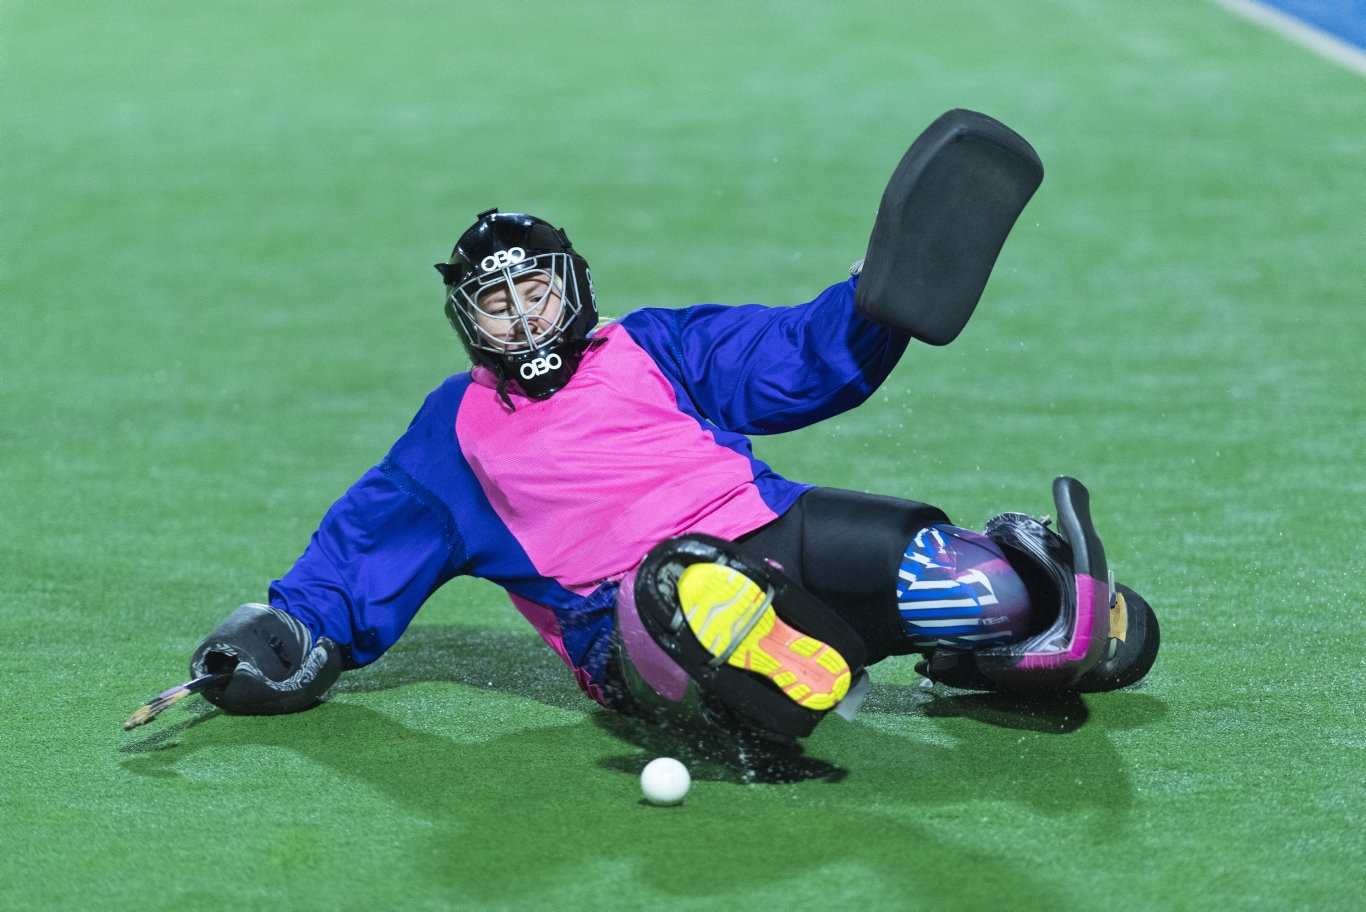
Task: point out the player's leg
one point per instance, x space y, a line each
956 590
898 572
701 623
1017 608
852 578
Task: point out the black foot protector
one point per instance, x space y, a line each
942 222
1076 641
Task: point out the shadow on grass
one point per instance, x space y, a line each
711 755
515 663
521 815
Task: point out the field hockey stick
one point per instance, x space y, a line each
163 701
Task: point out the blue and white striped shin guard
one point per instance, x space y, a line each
956 590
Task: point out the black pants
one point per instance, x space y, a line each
845 548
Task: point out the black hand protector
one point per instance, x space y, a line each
941 223
276 667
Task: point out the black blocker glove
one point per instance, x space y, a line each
276 667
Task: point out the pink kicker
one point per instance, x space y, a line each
1081 636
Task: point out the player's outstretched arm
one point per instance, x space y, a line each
276 667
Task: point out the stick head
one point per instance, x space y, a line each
165 700
153 708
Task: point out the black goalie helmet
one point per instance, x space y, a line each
521 299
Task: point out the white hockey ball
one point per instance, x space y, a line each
665 781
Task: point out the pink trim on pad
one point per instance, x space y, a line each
662 673
1081 635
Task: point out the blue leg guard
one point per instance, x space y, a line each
957 591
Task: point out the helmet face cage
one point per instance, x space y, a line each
521 300
518 307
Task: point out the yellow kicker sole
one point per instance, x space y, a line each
721 605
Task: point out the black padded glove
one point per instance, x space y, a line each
276 667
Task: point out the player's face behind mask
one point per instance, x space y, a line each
521 315
517 317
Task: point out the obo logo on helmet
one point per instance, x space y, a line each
537 367
502 259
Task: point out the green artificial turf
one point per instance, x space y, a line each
217 308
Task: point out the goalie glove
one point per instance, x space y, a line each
276 667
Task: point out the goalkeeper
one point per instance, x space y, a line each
603 476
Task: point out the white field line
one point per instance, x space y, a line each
1321 43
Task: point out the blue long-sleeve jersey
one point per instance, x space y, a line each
557 500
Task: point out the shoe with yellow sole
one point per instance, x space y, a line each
733 618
